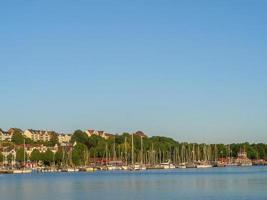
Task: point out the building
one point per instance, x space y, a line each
90 132
5 136
38 135
64 138
140 133
40 147
242 158
103 134
13 130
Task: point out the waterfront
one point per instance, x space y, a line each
214 183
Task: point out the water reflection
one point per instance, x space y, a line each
216 184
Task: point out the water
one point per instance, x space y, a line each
185 184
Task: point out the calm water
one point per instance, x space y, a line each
218 184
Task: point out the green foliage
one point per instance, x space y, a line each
48 157
17 137
94 141
59 157
28 141
1 158
20 155
79 154
80 137
35 155
9 158
54 139
222 150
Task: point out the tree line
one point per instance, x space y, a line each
153 150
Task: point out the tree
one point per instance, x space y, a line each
1 158
94 140
79 154
20 155
48 157
17 137
59 157
80 136
28 141
9 158
35 155
54 139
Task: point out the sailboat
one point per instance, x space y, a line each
69 169
205 163
142 166
136 166
125 166
230 162
167 165
190 159
242 159
23 170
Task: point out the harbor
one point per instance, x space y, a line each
30 151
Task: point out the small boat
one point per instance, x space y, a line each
21 171
5 171
191 165
167 165
246 164
137 167
125 167
220 164
90 169
113 168
203 166
155 167
231 165
70 170
180 166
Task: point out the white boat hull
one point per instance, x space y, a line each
204 166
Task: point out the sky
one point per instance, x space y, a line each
195 71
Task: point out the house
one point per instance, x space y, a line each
140 134
108 135
103 134
90 132
5 136
11 131
40 147
38 135
6 151
64 138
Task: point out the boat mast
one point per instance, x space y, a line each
132 149
193 152
114 149
216 155
141 150
106 154
24 153
125 150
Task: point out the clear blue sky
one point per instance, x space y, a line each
191 70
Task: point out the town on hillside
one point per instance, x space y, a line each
24 151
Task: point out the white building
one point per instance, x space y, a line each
64 138
38 135
102 134
5 136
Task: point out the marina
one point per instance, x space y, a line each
131 158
